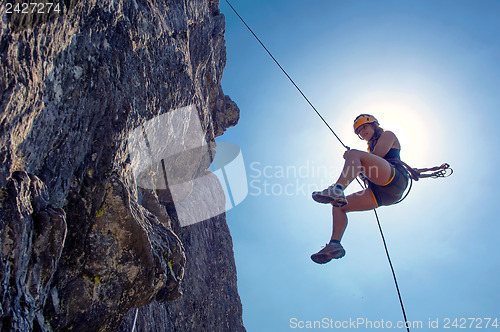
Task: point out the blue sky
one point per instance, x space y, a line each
428 70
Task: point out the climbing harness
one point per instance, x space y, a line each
442 171
414 174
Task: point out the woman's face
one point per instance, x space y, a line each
366 131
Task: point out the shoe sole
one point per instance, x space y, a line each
325 258
339 201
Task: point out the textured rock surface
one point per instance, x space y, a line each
82 244
212 302
32 238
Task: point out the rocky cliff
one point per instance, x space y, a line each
88 242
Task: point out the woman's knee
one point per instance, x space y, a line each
346 209
343 209
353 154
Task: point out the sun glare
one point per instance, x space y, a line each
405 116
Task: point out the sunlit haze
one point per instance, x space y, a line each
428 70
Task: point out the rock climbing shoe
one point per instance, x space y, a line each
332 250
332 195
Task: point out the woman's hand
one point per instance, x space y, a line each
347 151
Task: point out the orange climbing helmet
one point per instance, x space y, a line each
362 119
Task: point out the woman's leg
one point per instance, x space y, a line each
360 201
375 168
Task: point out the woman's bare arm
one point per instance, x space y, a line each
386 141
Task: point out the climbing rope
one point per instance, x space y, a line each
338 138
286 74
392 269
135 319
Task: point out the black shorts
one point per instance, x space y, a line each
393 191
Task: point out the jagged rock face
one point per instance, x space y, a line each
82 243
32 238
212 302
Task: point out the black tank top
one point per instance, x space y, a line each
393 154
